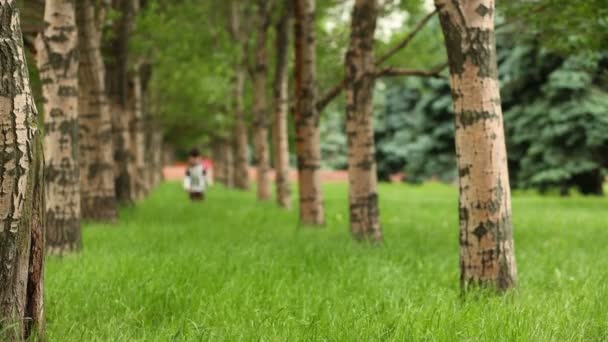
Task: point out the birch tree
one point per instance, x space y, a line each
260 106
57 50
98 197
239 133
306 116
487 256
21 190
360 81
117 66
281 103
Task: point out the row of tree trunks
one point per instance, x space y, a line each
98 197
22 206
57 50
487 256
306 116
360 82
281 102
239 131
260 106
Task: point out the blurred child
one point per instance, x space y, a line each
196 176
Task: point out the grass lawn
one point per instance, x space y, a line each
232 269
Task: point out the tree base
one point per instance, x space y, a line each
99 209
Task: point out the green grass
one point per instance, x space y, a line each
232 269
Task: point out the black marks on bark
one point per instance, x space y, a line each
8 50
481 230
453 34
481 52
66 240
366 164
464 171
483 10
469 43
468 117
364 213
67 91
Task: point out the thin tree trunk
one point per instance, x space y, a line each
150 129
223 159
157 154
241 140
98 196
487 256
308 138
136 122
117 84
21 190
229 162
123 159
219 161
239 133
137 133
260 107
58 65
281 102
360 81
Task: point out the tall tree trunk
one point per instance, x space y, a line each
241 141
260 122
360 81
98 196
21 190
219 161
137 132
156 149
239 133
118 90
281 102
150 128
487 256
228 151
123 159
137 127
223 160
58 65
308 138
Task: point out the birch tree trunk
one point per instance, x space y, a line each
58 64
260 107
360 81
98 196
281 102
487 256
136 122
308 138
21 190
229 163
219 161
223 161
118 90
240 137
157 154
137 132
241 140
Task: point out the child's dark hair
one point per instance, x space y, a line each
195 153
